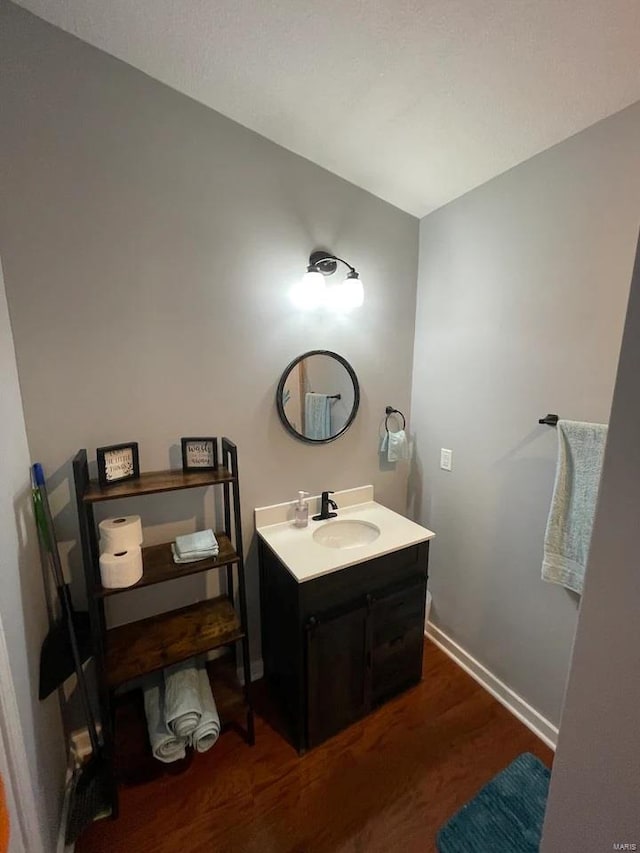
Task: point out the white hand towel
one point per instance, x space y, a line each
573 506
166 747
396 445
207 731
182 705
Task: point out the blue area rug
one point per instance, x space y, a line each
505 817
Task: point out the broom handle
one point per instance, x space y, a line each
66 604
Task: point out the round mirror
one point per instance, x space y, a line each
318 396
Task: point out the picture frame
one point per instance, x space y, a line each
199 454
118 463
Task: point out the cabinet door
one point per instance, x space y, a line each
397 640
337 672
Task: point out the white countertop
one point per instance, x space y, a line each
307 559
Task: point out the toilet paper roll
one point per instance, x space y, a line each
120 534
121 569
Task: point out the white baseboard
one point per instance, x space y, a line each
532 719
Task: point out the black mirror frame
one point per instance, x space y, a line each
282 383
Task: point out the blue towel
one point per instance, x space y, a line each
193 543
195 546
573 506
207 731
317 416
395 445
182 705
165 745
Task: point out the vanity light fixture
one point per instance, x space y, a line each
312 291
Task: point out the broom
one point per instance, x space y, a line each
91 795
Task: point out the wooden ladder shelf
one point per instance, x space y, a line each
133 650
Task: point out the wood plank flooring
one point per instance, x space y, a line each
385 784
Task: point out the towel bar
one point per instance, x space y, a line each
549 420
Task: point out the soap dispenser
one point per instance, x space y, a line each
302 510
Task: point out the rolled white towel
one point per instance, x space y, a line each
165 746
182 705
208 729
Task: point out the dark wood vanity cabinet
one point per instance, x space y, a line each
337 672
336 647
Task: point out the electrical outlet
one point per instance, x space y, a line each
446 459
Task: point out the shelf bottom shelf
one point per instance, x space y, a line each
134 763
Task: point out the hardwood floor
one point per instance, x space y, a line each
385 784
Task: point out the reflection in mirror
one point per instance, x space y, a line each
318 396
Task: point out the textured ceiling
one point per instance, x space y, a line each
417 101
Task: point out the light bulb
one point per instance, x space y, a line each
309 292
352 292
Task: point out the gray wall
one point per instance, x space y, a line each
522 291
594 800
149 247
23 614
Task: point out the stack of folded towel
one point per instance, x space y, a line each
181 711
195 546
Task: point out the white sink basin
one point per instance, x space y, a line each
349 533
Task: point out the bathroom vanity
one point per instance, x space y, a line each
343 605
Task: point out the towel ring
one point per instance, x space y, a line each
391 411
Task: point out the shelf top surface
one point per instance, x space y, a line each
153 482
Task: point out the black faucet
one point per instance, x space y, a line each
324 508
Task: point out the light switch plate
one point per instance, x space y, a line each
446 459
